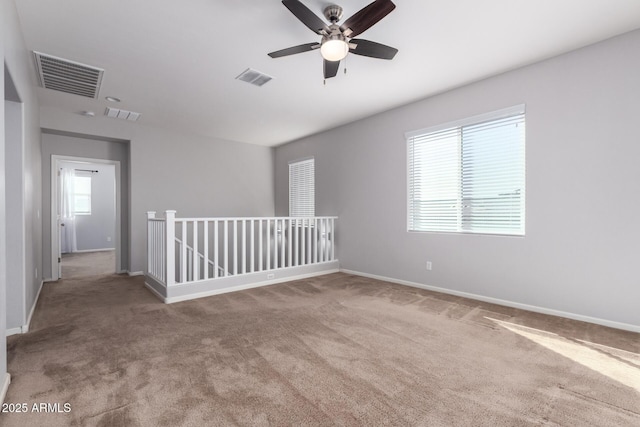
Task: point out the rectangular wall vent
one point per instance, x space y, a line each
117 113
68 76
254 77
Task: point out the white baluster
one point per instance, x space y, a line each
252 250
183 266
151 244
216 260
303 260
170 235
226 248
205 240
290 244
296 241
283 243
309 242
196 257
333 238
235 247
259 245
275 243
243 247
315 239
268 231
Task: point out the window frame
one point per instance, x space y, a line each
458 124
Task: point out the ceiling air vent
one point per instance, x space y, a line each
68 76
254 77
117 113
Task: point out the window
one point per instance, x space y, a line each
302 188
469 176
82 195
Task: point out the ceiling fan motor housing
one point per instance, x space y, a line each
333 13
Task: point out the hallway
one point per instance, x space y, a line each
85 264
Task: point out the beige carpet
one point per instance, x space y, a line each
331 350
82 264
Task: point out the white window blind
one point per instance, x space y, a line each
302 188
469 176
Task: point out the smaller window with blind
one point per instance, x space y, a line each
82 194
302 188
469 176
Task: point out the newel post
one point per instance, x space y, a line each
170 234
150 242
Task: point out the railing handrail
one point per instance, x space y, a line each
256 218
184 250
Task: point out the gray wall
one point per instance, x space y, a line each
3 225
198 177
14 196
82 146
582 234
97 231
19 65
195 175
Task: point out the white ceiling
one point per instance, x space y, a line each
176 62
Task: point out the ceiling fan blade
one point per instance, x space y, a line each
366 17
372 49
295 49
330 68
307 17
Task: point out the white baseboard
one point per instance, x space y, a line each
82 251
170 300
543 310
14 331
25 328
248 286
5 387
156 293
135 273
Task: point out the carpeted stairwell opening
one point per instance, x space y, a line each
331 350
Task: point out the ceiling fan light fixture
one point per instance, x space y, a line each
334 50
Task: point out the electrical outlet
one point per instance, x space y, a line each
108 238
270 276
429 265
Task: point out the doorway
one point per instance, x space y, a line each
85 217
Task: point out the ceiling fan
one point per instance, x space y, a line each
337 40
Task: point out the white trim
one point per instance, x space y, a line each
5 387
543 310
301 160
134 273
493 115
55 158
25 328
155 293
14 331
171 300
82 251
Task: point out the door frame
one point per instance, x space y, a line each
55 229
